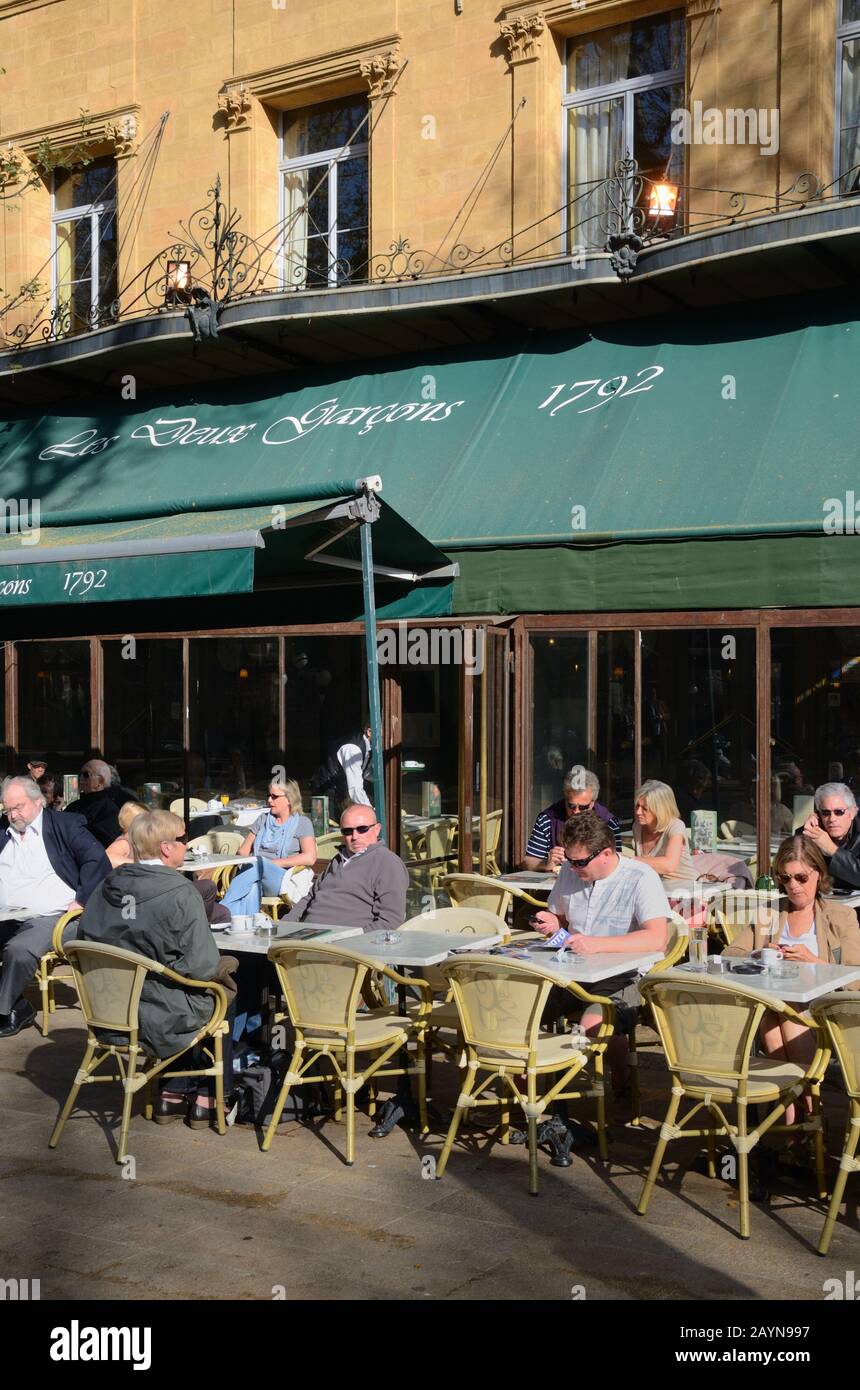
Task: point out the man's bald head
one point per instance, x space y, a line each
96 775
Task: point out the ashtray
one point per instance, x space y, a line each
746 967
786 970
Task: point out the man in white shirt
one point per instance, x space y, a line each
601 899
354 758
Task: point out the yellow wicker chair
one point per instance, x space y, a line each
322 986
730 914
195 803
109 981
203 843
494 894
52 966
328 846
839 1016
500 1003
494 835
226 841
676 949
707 1028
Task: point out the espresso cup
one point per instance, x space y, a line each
770 957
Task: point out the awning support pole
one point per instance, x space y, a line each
375 703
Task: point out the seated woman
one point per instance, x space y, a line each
282 839
659 836
51 787
810 930
119 851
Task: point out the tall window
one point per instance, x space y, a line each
622 86
848 95
84 246
324 169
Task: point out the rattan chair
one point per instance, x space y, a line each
500 1002
52 966
109 981
676 948
195 803
494 835
202 843
729 915
839 1016
494 894
328 846
707 1028
322 986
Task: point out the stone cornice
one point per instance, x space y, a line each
118 128
565 15
521 37
372 65
236 104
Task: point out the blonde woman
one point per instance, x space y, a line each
281 840
659 836
119 850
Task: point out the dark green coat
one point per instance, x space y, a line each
157 912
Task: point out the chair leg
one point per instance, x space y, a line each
147 1101
66 1111
712 1153
533 1163
45 992
671 1115
220 1118
600 1079
852 1136
636 1089
743 1173
818 1141
127 1104
281 1101
350 1108
421 1057
461 1108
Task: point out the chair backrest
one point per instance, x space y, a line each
494 830
109 980
741 908
500 1002
840 1014
478 890
203 842
227 841
438 840
706 1027
457 921
676 944
328 845
177 806
321 985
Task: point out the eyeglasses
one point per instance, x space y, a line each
576 809
582 863
181 840
85 774
355 829
276 796
797 878
843 812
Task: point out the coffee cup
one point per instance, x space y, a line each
770 957
242 923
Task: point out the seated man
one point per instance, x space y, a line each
99 801
363 886
149 907
581 790
834 828
49 862
601 899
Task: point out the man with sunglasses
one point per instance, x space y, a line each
364 885
581 790
601 898
834 829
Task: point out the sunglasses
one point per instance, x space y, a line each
833 813
181 840
575 809
276 796
355 829
582 863
797 878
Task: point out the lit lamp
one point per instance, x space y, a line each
662 200
178 282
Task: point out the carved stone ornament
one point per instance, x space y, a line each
380 71
122 134
236 105
522 38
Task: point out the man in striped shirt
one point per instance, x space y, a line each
581 790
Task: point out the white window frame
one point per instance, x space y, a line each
95 212
332 157
849 29
627 88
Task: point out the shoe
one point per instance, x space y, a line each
391 1112
22 1015
166 1111
200 1116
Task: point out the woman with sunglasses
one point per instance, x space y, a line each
834 830
282 841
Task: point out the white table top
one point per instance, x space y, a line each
211 861
421 947
849 899
701 891
13 914
254 943
533 879
812 982
585 970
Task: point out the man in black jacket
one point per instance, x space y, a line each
99 801
347 772
834 828
49 862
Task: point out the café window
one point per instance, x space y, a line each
622 85
324 181
848 96
84 246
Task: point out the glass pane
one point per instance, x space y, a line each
325 703
595 144
651 45
234 716
352 253
490 660
850 116
96 183
429 779
698 721
54 700
107 265
143 714
351 211
850 11
815 714
653 149
306 223
614 756
74 274
559 703
322 128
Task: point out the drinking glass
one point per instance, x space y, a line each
698 948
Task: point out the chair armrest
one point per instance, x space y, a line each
214 987
60 927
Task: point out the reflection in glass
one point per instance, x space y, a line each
429 775
54 702
815 711
613 762
234 716
850 116
559 732
143 713
325 701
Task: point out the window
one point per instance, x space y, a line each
848 96
84 246
324 172
622 85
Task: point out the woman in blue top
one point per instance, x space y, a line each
281 840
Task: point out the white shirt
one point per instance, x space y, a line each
628 897
809 939
351 759
27 878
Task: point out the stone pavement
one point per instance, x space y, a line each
209 1217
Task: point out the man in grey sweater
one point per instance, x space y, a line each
363 886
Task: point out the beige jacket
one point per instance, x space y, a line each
836 928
